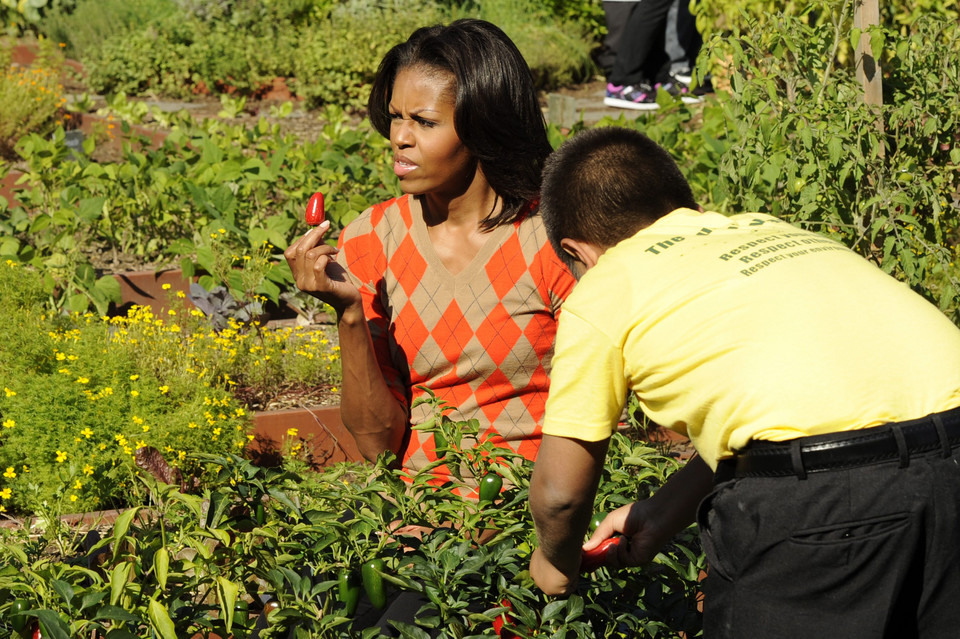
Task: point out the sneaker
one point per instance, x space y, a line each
679 89
642 97
683 74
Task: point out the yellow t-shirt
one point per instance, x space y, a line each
745 327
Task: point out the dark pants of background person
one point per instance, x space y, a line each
641 53
861 553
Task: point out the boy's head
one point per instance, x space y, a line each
605 184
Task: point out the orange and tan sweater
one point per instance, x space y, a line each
481 340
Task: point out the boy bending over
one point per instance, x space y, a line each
820 393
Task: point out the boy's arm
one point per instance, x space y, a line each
562 492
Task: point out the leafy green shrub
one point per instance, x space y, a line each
725 18
83 26
287 535
329 50
161 204
556 50
81 394
802 145
31 99
338 58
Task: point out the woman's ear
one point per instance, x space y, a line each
584 252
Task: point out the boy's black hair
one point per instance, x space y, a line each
605 184
497 115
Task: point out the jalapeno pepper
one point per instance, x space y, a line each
371 574
349 587
490 485
17 620
595 522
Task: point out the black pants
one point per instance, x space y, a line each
641 52
871 551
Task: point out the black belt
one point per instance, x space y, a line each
849 449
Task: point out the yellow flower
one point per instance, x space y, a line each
165 287
164 389
10 393
86 432
87 469
141 444
5 493
74 498
292 432
134 378
146 428
134 393
9 423
83 380
10 473
77 485
61 457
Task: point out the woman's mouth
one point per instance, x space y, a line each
402 166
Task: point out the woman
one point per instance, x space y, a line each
452 286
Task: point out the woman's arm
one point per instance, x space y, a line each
369 410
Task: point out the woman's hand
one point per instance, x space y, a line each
316 271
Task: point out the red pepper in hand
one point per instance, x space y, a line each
315 209
591 560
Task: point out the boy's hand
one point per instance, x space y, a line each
638 522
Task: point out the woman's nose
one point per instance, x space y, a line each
401 133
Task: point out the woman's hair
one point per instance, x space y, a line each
605 184
496 112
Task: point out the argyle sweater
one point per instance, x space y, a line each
481 340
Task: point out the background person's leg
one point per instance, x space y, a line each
641 49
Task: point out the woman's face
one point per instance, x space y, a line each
428 156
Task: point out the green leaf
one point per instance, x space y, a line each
227 594
109 287
160 620
114 613
51 625
161 564
855 34
118 580
91 208
876 44
120 527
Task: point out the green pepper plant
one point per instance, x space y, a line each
295 553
